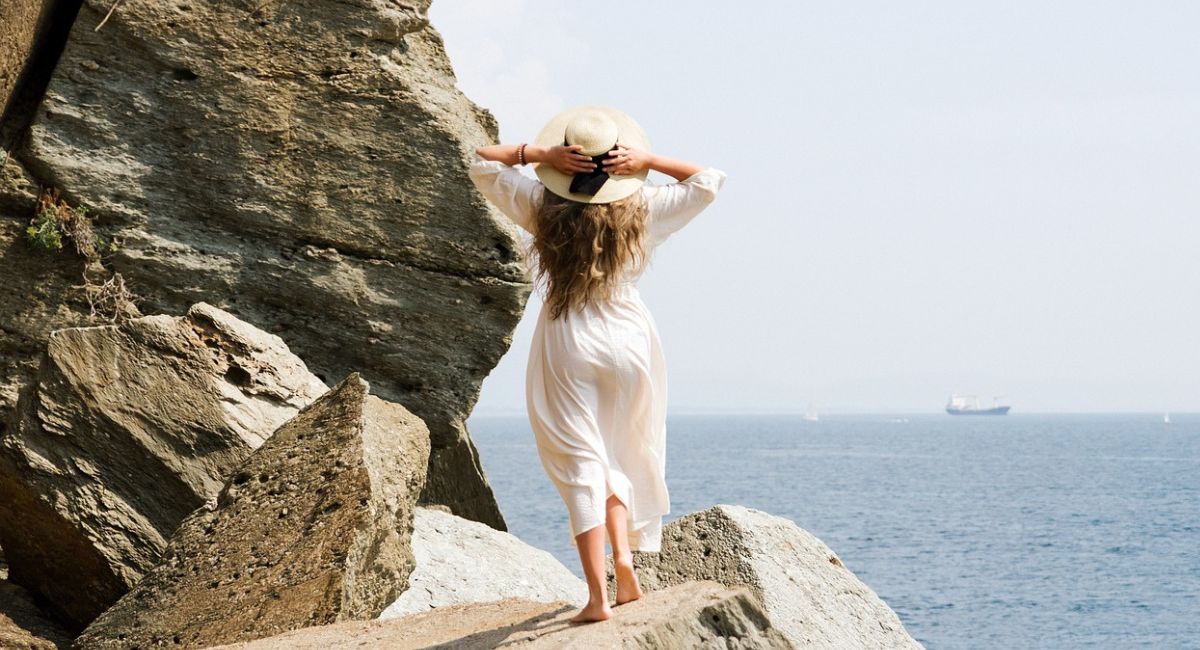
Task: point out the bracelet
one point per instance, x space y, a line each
521 154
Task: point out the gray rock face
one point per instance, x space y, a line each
313 528
303 165
462 561
809 595
127 431
693 615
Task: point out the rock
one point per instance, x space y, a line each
17 37
313 528
42 291
691 615
24 625
24 25
809 595
127 431
462 561
18 192
303 165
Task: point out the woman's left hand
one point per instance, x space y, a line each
627 160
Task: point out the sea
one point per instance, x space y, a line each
1021 531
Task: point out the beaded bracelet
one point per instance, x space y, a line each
521 154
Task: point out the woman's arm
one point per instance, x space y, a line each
565 159
627 160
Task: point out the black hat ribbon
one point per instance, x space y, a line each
590 182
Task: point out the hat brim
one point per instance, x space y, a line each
616 187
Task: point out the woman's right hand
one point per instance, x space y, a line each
565 159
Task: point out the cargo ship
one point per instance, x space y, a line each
969 405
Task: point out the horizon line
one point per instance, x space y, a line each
688 412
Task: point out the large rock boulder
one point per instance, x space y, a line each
311 529
463 561
692 615
127 430
807 592
304 165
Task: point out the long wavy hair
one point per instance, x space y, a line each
583 249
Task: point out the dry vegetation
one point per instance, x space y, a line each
55 221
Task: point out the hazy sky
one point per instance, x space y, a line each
923 197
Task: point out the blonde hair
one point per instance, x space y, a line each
582 249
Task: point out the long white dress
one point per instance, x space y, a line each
596 381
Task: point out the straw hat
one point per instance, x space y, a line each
598 129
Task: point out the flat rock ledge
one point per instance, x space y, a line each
690 615
805 589
313 528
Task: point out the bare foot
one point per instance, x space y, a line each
593 612
627 582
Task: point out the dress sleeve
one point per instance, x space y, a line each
673 205
515 194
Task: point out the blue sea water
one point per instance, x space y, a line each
1025 531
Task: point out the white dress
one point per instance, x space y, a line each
596 382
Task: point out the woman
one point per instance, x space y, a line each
596 387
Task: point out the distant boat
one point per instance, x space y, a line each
1166 418
969 405
811 414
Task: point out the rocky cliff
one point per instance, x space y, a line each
209 212
297 164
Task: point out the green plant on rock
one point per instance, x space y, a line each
105 246
55 220
44 233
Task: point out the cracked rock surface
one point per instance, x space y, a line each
127 430
312 528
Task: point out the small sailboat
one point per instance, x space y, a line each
810 415
1166 418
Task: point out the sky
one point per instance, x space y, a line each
923 197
